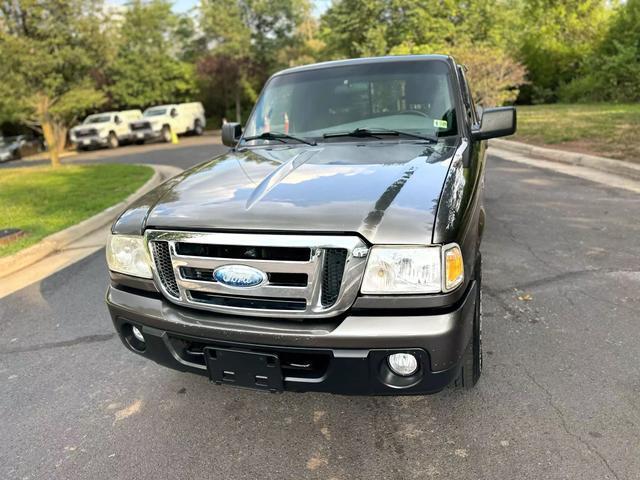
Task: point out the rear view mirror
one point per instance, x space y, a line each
231 133
496 122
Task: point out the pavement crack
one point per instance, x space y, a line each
565 426
495 295
63 343
563 276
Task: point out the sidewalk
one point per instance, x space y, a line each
618 167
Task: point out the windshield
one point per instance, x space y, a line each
155 112
408 96
98 119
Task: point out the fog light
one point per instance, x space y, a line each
403 364
137 333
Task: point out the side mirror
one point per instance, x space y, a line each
174 113
118 120
496 122
231 133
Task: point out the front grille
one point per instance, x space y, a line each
275 278
332 275
90 132
140 126
242 252
305 276
162 259
239 301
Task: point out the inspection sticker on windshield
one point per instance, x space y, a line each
440 123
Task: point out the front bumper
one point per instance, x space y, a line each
90 141
146 134
346 355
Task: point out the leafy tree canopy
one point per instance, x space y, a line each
146 69
51 52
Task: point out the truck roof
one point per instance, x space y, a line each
367 60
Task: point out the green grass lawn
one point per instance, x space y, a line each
609 130
42 200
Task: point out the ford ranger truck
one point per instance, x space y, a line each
334 248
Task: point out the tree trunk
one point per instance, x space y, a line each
50 129
238 111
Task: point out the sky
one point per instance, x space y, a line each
181 6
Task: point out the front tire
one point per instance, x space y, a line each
472 357
198 129
166 134
112 141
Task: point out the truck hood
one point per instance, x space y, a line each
386 191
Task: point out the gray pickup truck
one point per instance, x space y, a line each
335 247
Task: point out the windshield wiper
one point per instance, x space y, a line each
280 137
375 133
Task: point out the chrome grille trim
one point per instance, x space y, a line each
314 268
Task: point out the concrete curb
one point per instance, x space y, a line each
59 240
618 167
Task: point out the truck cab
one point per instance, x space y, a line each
335 247
108 129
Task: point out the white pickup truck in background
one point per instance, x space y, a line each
104 129
163 120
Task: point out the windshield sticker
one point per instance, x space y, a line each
440 123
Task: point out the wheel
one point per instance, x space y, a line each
166 134
197 128
472 357
80 148
112 141
139 142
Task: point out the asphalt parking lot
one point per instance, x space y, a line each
559 397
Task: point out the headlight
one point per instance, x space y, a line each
127 254
412 270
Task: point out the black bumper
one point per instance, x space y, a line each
347 355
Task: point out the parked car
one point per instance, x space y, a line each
108 129
16 147
161 121
334 248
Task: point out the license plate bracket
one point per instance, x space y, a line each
243 368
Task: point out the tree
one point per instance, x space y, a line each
612 72
494 76
49 51
231 38
557 36
249 37
146 69
355 28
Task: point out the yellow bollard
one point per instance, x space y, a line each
174 137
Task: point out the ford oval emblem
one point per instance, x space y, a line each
239 276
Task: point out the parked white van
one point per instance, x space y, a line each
162 120
104 129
